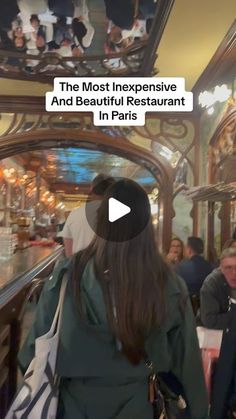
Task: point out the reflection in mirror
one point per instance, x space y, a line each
182 222
39 186
76 37
182 173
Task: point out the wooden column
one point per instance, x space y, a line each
196 171
225 222
23 192
210 230
37 206
7 205
168 214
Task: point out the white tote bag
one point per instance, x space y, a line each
38 396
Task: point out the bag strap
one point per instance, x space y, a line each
157 386
56 323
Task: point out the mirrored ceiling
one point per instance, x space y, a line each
80 166
57 37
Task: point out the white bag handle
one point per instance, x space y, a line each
56 323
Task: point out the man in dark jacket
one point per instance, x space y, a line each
123 14
196 268
219 292
218 311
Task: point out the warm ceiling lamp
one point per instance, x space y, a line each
208 99
10 175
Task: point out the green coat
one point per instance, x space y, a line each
98 382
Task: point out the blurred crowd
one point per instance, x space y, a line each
64 26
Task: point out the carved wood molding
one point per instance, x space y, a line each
36 104
222 64
162 15
229 117
22 104
157 165
63 137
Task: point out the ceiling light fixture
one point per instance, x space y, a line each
219 94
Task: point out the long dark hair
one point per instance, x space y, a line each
131 271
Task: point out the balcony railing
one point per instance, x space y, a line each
136 60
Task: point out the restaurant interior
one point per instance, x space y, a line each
184 161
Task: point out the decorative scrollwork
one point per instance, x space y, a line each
44 67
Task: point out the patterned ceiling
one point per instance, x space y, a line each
74 165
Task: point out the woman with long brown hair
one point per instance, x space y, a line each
124 309
176 251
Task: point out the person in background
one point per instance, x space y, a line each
81 14
79 31
62 217
62 34
223 395
176 251
19 40
195 268
218 292
124 305
77 233
62 7
28 8
123 13
223 401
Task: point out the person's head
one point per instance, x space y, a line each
77 51
177 248
79 29
121 13
132 273
228 266
195 246
127 42
18 32
19 41
115 35
229 243
100 184
35 22
40 43
61 21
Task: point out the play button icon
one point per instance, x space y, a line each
121 214
117 210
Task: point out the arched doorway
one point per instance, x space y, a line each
41 139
